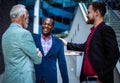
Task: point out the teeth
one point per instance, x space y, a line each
45 30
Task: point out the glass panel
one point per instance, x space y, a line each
62 11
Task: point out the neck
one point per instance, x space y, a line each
19 21
46 37
98 21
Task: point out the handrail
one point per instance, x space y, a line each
83 10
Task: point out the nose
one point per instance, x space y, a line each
86 15
46 25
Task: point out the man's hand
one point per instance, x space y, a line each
39 53
64 41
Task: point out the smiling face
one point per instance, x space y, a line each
47 27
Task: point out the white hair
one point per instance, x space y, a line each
17 11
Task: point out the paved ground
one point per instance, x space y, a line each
71 64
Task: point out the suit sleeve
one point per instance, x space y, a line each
111 51
29 48
62 64
75 47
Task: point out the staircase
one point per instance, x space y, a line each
62 15
114 22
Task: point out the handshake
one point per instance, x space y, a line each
39 53
64 41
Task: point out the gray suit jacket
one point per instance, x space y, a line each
19 55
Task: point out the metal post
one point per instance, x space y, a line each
36 17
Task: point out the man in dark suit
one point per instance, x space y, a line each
52 49
100 49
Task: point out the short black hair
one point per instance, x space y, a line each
47 18
99 6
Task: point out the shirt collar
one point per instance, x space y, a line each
43 37
94 28
14 24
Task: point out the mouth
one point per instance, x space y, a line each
45 30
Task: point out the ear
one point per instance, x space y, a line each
22 17
97 12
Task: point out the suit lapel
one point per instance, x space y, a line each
96 31
40 45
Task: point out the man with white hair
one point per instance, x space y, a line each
19 49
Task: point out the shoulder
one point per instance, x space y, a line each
106 27
57 40
25 32
36 36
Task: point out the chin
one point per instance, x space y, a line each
25 25
46 34
89 22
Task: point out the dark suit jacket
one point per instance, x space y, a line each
47 70
103 52
2 66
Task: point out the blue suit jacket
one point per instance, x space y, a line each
47 70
